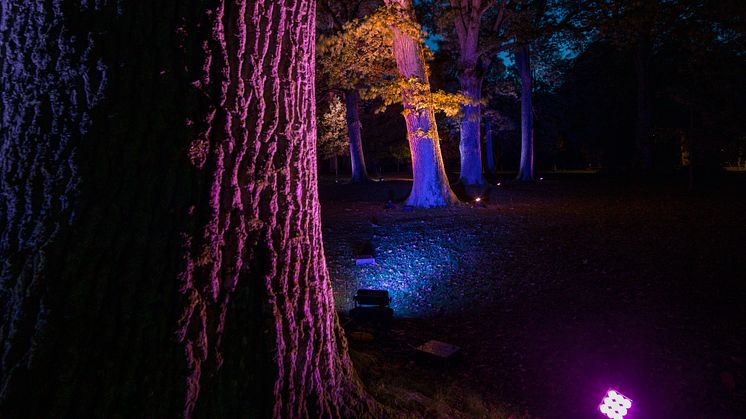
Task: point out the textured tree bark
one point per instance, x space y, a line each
644 128
159 220
352 102
430 187
489 148
523 60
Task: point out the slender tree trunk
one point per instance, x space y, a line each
644 128
489 148
159 221
467 22
430 186
523 60
352 102
471 115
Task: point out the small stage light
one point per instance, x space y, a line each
478 199
615 405
363 253
368 297
372 304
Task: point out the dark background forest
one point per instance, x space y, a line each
586 95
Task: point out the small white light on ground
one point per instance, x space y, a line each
478 199
615 405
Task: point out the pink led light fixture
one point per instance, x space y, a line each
615 405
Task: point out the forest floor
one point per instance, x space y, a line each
556 291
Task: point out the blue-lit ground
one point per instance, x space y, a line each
430 264
422 272
556 293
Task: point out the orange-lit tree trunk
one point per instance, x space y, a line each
159 221
430 187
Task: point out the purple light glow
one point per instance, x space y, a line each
615 405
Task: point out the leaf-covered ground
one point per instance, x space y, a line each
556 291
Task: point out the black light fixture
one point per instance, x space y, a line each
368 297
372 304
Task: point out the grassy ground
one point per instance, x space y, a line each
556 292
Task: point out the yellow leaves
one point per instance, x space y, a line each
332 130
359 54
419 133
449 103
395 16
417 97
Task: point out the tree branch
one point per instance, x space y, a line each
496 47
500 16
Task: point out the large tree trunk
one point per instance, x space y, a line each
352 102
489 148
523 60
160 236
430 186
644 128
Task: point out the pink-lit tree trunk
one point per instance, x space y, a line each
159 222
430 187
352 102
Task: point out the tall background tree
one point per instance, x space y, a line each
352 55
160 235
495 123
332 140
467 22
523 67
474 33
551 24
430 187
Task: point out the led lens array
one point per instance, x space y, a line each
615 405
